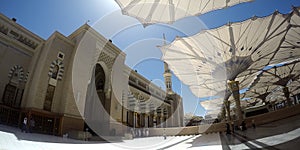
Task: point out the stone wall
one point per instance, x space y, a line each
221 127
69 124
274 116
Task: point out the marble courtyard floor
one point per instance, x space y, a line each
282 134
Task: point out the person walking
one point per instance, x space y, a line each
164 134
132 132
244 125
228 131
147 132
24 125
32 124
253 124
232 126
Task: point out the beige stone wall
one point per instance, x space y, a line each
69 98
60 100
177 110
119 84
55 44
37 90
71 124
11 55
221 127
13 49
274 115
174 131
89 52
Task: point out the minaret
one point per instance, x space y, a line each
167 74
168 79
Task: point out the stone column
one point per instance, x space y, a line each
155 119
151 119
181 113
134 119
171 114
146 121
169 117
162 118
158 121
296 99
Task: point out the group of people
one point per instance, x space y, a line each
27 126
139 132
242 127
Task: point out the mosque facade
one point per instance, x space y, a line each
46 80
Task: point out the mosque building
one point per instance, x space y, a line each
49 81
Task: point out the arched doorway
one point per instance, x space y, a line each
100 84
13 92
97 106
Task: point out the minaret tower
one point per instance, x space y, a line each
167 74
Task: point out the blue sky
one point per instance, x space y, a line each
46 16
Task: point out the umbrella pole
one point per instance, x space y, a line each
234 87
227 107
223 112
287 95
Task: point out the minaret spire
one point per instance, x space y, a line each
167 73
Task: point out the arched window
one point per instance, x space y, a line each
49 97
13 91
100 78
169 85
55 72
100 84
16 74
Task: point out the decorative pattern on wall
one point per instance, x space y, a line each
26 77
55 72
108 60
16 71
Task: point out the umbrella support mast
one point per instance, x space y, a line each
287 95
227 108
234 87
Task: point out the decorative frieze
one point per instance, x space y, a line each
26 77
108 60
19 36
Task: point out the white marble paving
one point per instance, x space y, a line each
13 139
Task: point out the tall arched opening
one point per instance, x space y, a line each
97 106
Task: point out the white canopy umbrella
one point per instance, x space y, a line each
291 44
247 101
214 104
294 87
212 107
168 11
232 52
278 95
236 51
259 92
280 76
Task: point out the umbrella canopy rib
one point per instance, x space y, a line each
167 11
